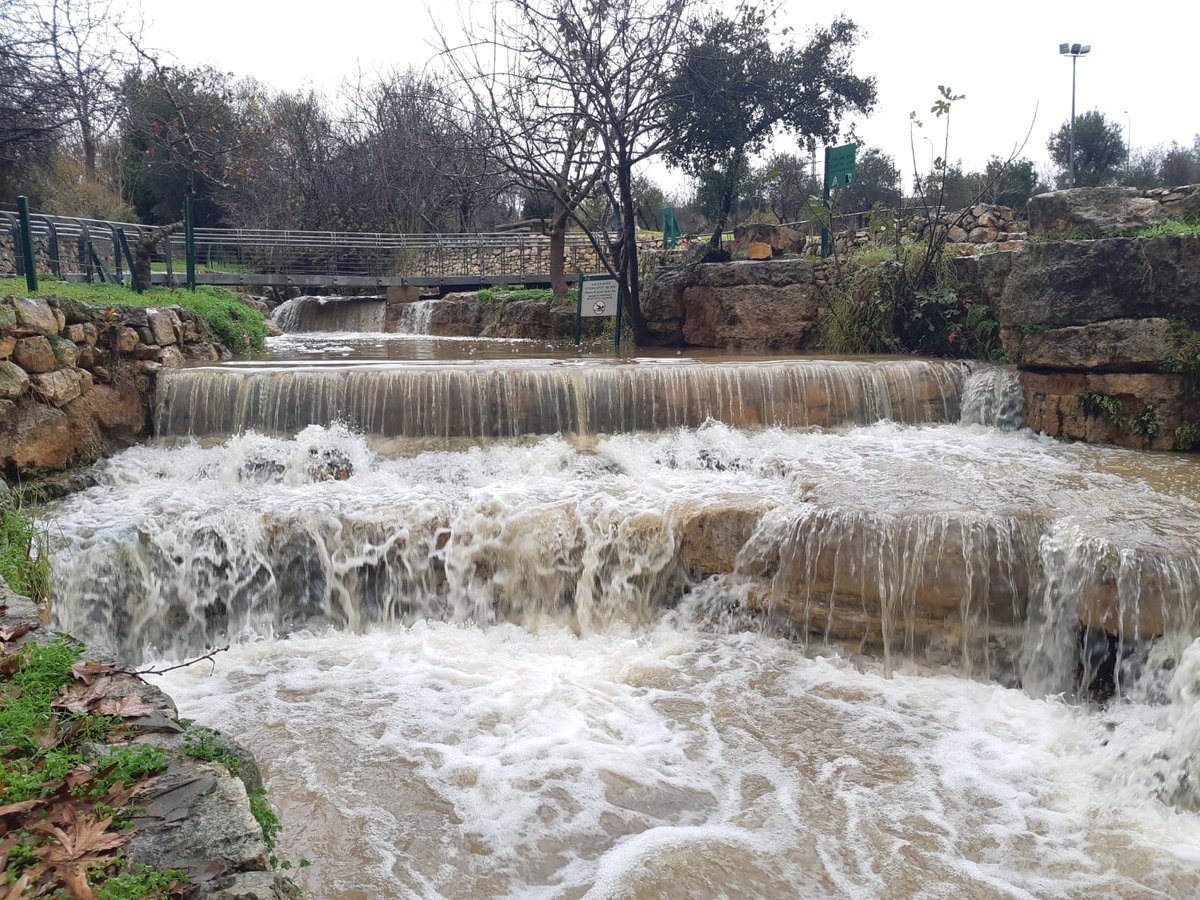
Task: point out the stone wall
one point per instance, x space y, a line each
1105 332
983 224
76 380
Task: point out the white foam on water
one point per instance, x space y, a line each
449 760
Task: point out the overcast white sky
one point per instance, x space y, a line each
1004 58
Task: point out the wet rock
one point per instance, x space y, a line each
711 537
171 357
1095 212
35 315
14 381
34 355
197 818
246 886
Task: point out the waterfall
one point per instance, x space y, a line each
415 317
355 314
477 401
992 396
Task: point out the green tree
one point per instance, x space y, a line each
732 90
1181 165
1099 150
1010 184
787 183
876 181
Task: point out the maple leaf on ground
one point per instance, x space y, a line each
129 707
88 672
76 880
78 697
23 806
80 839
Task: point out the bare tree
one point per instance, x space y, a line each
84 41
594 67
32 115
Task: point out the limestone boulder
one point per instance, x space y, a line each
37 437
1063 283
34 315
758 250
750 317
779 238
34 355
1093 212
164 327
59 387
171 357
76 312
14 381
121 411
712 536
197 817
456 314
8 315
8 343
1115 345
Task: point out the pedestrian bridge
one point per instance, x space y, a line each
90 250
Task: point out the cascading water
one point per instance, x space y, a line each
324 314
512 400
546 667
415 317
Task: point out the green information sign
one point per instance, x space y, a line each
840 165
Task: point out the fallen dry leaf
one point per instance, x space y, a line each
130 707
79 840
76 880
15 631
23 806
79 697
88 672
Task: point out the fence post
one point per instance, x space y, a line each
116 245
167 259
52 247
134 281
189 242
27 244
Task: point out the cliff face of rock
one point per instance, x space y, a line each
76 381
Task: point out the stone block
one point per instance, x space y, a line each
59 387
14 381
34 355
1115 345
1095 212
8 343
758 250
35 315
164 327
127 340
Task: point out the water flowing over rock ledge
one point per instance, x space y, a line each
197 817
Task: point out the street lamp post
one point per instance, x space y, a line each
1074 51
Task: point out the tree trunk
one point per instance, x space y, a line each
558 252
732 177
144 249
627 268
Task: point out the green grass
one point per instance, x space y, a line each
512 295
23 560
237 326
1174 226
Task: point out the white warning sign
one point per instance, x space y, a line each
598 297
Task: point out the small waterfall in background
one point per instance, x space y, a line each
354 314
415 317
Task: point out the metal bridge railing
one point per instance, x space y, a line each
90 249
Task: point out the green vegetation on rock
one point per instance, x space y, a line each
23 561
236 325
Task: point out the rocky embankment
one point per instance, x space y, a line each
76 380
195 816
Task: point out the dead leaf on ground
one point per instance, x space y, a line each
78 697
130 707
76 880
12 632
23 806
88 672
79 840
